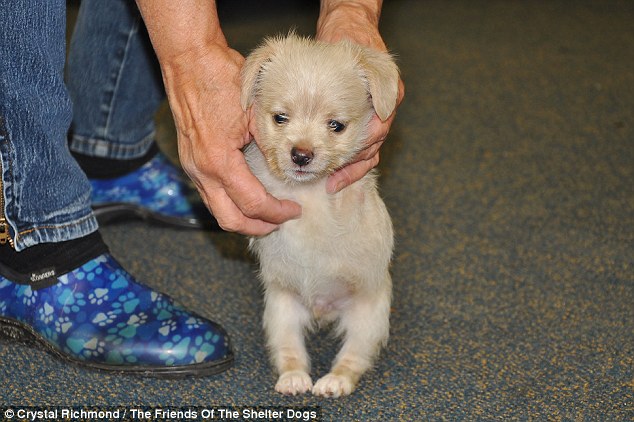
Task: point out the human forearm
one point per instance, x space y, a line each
357 20
181 28
202 81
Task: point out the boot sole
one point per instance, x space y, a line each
110 213
16 331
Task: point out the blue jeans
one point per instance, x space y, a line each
113 90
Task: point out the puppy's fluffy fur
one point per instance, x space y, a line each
313 102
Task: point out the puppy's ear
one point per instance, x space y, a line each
253 66
381 74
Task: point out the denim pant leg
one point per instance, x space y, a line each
46 195
114 81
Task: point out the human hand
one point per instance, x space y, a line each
357 22
202 80
204 94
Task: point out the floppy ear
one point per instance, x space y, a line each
252 68
381 74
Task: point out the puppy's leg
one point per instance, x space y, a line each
285 321
365 328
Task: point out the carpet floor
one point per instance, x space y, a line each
509 174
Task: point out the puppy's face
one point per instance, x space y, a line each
311 114
312 103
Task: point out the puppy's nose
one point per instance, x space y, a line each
301 156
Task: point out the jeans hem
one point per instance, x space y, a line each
55 233
107 149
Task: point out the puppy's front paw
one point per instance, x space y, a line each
333 385
293 383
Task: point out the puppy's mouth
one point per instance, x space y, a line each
302 167
301 174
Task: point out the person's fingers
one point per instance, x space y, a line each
231 218
368 157
253 199
241 203
351 173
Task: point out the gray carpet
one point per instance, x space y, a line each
509 176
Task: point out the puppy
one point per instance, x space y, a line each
312 104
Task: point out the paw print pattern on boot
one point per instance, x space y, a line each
99 314
98 296
158 190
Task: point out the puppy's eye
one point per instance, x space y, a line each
280 118
336 126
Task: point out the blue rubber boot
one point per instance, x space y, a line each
99 317
157 192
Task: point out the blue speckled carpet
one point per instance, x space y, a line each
509 174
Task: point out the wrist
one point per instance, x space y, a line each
181 29
360 10
357 21
208 54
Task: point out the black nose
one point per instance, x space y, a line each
301 156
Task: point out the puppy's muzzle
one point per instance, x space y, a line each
301 156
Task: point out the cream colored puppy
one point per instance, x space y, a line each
312 103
